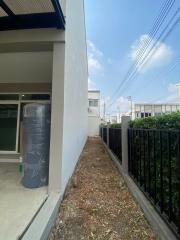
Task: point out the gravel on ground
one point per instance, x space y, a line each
98 204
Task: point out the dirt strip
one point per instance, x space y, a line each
98 204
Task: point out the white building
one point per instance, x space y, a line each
93 112
42 59
113 119
143 110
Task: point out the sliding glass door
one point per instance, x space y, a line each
11 118
8 127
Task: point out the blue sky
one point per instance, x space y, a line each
114 31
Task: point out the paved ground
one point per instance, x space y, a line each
98 204
18 204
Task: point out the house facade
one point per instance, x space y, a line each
143 110
43 59
93 112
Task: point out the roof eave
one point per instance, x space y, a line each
35 20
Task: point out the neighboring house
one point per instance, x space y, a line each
93 112
120 115
143 110
113 119
43 59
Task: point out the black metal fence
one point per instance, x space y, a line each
114 140
104 134
154 164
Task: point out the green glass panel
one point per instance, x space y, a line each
8 126
9 97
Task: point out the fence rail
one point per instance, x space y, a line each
154 164
114 140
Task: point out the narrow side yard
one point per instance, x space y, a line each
98 204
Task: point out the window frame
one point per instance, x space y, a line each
6 102
94 100
18 102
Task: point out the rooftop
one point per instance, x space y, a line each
94 91
157 104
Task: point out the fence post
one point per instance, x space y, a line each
108 125
124 140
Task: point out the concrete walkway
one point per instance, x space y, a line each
98 204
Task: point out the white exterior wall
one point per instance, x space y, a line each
26 67
93 126
76 87
57 118
57 56
93 114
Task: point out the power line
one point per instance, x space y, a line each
153 48
156 44
163 73
151 36
156 26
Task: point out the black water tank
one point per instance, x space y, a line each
36 138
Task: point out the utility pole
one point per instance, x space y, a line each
119 118
178 87
130 99
108 117
104 110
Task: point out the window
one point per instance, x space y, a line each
147 115
157 114
142 115
93 103
36 97
138 115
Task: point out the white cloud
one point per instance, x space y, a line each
94 64
173 93
121 105
161 56
94 59
93 49
172 88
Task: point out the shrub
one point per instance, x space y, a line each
115 125
165 121
149 152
